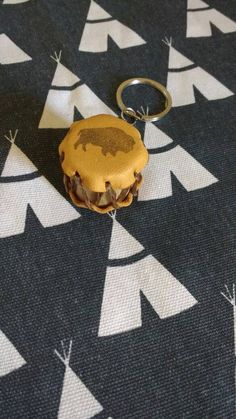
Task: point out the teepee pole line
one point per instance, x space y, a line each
11 138
59 356
67 356
168 42
143 112
70 350
231 298
112 214
63 350
57 56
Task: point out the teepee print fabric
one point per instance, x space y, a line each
14 1
173 161
100 25
184 76
22 186
10 359
10 52
76 400
67 94
129 315
127 277
200 17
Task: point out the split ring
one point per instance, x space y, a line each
138 115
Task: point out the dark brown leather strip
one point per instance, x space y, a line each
98 197
134 188
93 199
112 195
123 194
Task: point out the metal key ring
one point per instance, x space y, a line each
138 115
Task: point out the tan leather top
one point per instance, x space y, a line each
103 148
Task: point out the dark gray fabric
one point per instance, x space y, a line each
52 279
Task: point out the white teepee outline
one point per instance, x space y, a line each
17 163
60 104
158 182
199 21
10 358
63 77
121 303
122 244
76 402
181 84
10 53
176 59
96 12
95 34
197 4
155 138
49 206
14 1
231 298
177 161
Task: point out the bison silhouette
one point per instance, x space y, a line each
111 140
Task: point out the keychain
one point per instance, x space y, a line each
102 156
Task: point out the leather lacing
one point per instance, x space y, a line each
71 185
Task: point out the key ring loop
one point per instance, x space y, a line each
138 115
130 113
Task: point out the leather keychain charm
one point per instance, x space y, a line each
102 156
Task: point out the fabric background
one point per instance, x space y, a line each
139 297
